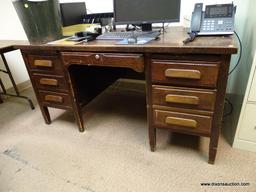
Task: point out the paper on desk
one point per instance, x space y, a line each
62 42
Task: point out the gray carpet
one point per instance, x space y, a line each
113 154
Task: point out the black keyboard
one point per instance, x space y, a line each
129 34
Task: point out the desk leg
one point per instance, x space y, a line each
212 154
46 114
77 110
79 119
219 107
153 140
151 128
151 131
1 100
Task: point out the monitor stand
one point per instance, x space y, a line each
146 27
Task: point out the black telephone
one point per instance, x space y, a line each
215 20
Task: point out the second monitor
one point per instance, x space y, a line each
72 13
146 12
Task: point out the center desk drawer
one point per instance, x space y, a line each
183 122
52 99
48 64
198 74
186 98
133 61
51 82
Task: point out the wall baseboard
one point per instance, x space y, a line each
21 87
244 145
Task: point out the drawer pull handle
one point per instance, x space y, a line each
183 73
182 99
54 98
97 57
46 81
181 122
43 63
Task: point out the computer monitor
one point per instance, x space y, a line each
146 12
72 13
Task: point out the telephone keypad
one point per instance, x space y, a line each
208 25
211 25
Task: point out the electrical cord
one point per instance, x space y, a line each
240 54
192 36
231 108
234 68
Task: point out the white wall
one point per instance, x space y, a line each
187 6
11 28
94 6
246 28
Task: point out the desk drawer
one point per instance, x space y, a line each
185 98
183 122
51 82
52 99
185 74
133 61
48 64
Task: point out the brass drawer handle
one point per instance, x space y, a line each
53 98
183 73
181 122
43 63
182 99
46 81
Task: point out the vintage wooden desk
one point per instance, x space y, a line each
185 84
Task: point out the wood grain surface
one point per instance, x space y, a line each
7 45
169 42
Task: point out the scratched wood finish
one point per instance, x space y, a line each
185 73
45 64
8 45
169 42
219 108
61 100
184 97
196 124
51 82
207 58
133 61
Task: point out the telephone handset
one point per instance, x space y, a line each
196 18
215 20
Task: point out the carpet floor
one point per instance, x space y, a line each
113 154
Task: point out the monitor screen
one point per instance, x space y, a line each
72 13
146 11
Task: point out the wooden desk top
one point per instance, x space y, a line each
7 45
170 42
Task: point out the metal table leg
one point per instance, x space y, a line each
3 92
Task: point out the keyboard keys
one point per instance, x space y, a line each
126 35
